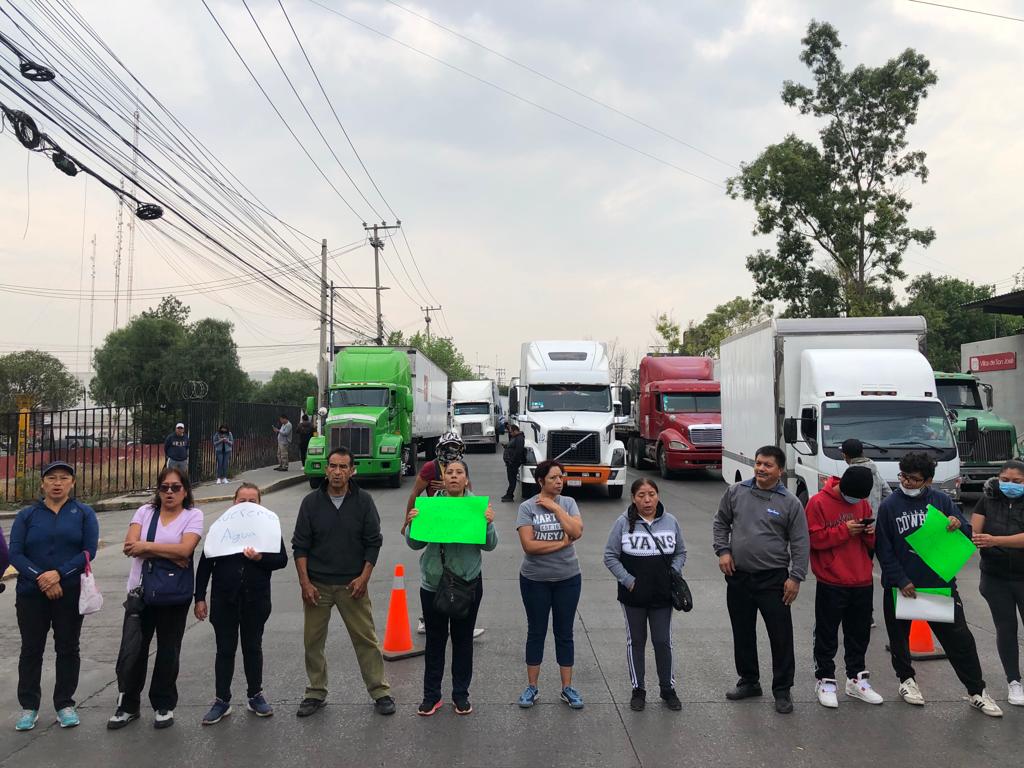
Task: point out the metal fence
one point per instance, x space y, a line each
120 449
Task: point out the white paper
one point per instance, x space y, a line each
926 607
244 525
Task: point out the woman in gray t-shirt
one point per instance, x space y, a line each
549 579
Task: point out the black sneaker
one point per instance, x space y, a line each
385 705
462 705
783 703
164 718
428 707
668 695
308 707
120 719
743 691
638 700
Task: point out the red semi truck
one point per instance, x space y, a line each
678 423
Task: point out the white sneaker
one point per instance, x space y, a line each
984 704
1015 694
421 628
477 631
826 690
859 688
911 693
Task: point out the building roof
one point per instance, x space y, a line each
1007 304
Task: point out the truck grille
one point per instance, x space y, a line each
472 430
356 437
709 436
587 452
994 445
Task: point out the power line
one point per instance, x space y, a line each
967 10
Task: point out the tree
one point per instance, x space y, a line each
704 339
668 330
287 387
39 376
938 298
440 349
838 213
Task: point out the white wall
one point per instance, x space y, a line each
1008 386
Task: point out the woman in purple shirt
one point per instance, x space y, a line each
175 537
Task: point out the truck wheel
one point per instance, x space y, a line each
494 445
631 453
395 480
663 469
528 490
315 482
615 491
430 449
409 459
801 493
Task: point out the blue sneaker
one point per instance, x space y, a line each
529 697
218 711
258 704
572 697
67 717
28 720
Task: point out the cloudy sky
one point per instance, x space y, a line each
535 215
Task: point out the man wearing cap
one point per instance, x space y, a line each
842 531
50 540
176 449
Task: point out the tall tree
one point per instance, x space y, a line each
668 330
938 298
703 339
41 377
440 349
838 212
288 387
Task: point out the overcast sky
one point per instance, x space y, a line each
523 224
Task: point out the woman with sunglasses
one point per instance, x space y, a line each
179 526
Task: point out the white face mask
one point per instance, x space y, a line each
911 491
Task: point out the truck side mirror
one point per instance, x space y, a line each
789 430
627 401
311 405
513 401
409 404
988 396
973 431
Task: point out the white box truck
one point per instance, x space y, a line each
563 403
476 409
806 385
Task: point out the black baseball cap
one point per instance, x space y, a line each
58 465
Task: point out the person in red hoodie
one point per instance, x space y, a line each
842 534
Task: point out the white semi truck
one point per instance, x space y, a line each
476 410
807 385
562 401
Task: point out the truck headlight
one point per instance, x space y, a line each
676 445
619 457
389 449
315 450
531 457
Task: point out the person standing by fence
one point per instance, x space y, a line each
223 444
304 430
50 543
284 441
176 448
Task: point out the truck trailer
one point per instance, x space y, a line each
476 412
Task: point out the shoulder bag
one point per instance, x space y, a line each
682 600
454 596
163 581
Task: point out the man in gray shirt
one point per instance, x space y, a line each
284 441
760 537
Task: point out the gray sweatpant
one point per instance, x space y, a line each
660 620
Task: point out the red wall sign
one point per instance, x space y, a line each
1001 361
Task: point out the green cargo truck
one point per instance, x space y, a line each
385 404
997 439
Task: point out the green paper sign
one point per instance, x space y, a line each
450 519
944 591
945 552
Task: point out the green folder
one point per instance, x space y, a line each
944 591
450 519
945 552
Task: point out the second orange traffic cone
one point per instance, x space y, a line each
397 631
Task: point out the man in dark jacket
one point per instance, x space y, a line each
760 537
515 456
336 542
304 432
176 448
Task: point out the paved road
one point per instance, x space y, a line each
709 730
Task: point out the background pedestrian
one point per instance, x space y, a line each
223 445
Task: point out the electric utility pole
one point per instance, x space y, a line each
378 244
321 367
426 316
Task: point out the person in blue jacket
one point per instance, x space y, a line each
49 542
4 556
900 515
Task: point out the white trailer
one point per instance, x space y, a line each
806 385
562 401
476 409
430 400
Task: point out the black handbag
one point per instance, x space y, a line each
454 596
682 600
165 582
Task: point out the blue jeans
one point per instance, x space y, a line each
223 459
559 600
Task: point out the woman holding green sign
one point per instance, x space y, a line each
998 523
441 564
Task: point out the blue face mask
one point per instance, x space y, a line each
1011 490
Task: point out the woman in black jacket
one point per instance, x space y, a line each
998 524
239 605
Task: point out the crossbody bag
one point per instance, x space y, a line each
682 600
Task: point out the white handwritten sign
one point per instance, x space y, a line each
244 525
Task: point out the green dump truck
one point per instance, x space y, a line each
385 404
997 439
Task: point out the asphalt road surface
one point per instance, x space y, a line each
708 731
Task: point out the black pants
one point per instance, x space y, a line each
512 473
747 594
37 615
242 617
956 638
660 620
168 623
438 628
1005 599
303 448
849 607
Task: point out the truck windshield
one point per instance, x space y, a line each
570 397
359 398
959 394
471 409
892 427
693 403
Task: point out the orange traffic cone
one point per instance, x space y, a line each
397 632
922 644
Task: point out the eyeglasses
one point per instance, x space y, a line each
170 487
913 480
